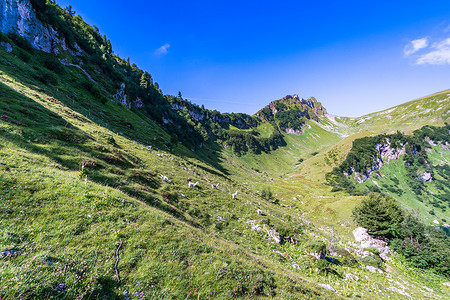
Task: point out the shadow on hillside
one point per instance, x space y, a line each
34 131
209 155
106 115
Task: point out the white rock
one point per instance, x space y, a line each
436 222
350 276
394 289
220 219
295 266
327 286
360 234
373 269
427 176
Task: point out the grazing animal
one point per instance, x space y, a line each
259 212
234 195
214 186
192 185
188 180
166 178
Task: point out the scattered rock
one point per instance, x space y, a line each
394 289
295 266
220 219
317 255
436 222
373 269
350 276
367 241
328 287
446 283
427 177
273 234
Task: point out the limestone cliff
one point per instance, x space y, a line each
19 16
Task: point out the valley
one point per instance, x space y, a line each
95 173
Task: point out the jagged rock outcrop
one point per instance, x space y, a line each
385 154
18 16
292 110
121 96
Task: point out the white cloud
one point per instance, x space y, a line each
440 54
162 50
415 46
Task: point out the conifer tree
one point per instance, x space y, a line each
69 10
381 216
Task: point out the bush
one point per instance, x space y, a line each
20 42
423 247
372 260
382 216
266 194
23 55
52 63
317 247
46 77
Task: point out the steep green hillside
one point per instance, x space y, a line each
411 168
96 202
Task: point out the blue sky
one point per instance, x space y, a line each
356 57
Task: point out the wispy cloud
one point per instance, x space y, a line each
415 46
439 55
162 50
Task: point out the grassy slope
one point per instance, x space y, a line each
407 117
68 221
395 169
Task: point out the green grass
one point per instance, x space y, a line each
78 176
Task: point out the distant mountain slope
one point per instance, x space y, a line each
407 117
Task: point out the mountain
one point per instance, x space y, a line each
291 113
110 189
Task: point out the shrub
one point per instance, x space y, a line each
20 42
372 260
382 216
266 194
23 55
46 77
325 267
317 246
373 250
52 63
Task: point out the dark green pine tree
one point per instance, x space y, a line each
69 10
381 216
109 47
146 80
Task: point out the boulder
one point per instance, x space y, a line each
361 235
427 177
8 48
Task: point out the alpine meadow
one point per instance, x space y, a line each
112 189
